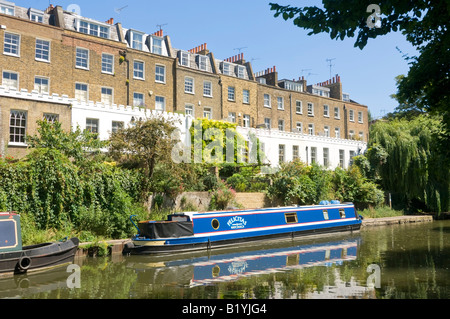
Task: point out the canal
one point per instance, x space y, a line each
408 261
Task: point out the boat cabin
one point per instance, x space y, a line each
10 232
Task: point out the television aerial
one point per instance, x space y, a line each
119 10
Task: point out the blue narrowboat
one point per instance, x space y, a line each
191 231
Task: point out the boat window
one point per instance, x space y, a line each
325 215
291 218
215 224
342 213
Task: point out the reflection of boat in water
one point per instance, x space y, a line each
15 259
229 266
28 285
191 231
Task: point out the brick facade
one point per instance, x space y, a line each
132 74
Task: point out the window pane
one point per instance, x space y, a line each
42 50
12 44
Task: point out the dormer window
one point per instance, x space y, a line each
137 40
241 72
7 8
36 15
226 68
157 45
93 29
184 58
203 62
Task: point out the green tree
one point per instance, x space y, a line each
424 24
143 145
406 159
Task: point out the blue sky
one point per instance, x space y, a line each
368 75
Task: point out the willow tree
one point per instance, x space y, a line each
405 156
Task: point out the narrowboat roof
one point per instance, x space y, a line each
263 210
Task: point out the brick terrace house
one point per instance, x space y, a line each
101 76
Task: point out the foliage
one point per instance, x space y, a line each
297 183
222 197
75 145
405 158
238 182
55 192
425 26
143 145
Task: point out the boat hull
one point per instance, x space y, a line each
242 231
38 257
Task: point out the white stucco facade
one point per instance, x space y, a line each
320 149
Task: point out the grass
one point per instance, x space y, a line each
381 212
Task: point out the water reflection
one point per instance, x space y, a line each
413 261
207 270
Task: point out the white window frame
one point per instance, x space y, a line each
7 8
232 117
19 131
203 62
160 103
41 50
11 45
137 73
136 42
310 109
77 91
351 116
246 96
231 93
326 131
360 117
189 110
311 130
267 100
241 72
36 16
95 29
207 113
281 126
8 81
299 127
90 127
160 77
116 126
326 157
281 153
337 113
157 49
246 120
40 86
326 110
226 68
298 104
351 135
313 155
184 58
107 64
337 132
189 85
51 118
295 152
268 123
207 88
107 98
81 60
280 103
136 97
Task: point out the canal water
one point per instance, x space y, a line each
388 262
